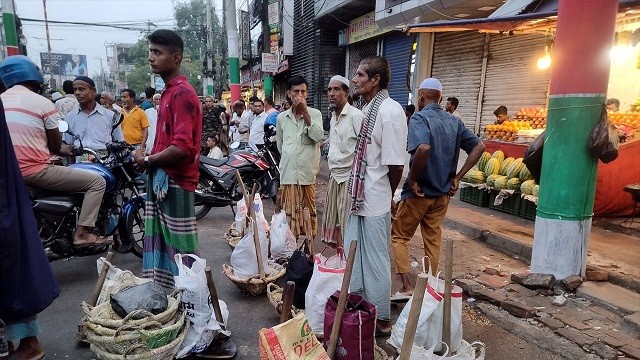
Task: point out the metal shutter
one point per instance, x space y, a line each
358 52
397 50
304 30
512 79
457 63
329 62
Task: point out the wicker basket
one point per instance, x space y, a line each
233 236
129 335
274 293
104 316
141 351
255 285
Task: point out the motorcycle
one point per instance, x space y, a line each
121 212
218 185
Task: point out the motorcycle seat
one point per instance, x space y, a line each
213 162
38 193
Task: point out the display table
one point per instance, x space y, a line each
610 199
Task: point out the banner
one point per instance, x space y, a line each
274 25
68 66
269 63
245 35
361 28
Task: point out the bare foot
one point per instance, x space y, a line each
29 349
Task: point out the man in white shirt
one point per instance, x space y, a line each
375 175
256 130
152 116
346 121
452 107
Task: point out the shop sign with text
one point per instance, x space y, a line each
361 28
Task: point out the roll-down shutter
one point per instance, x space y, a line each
358 52
512 78
397 50
457 63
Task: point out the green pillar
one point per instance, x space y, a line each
267 81
9 25
577 91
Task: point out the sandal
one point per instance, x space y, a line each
93 244
400 297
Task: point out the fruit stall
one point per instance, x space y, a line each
501 181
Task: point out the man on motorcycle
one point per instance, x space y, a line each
92 123
33 123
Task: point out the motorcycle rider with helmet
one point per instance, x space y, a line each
33 123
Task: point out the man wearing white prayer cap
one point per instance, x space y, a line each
434 142
346 121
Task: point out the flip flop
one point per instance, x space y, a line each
92 244
400 297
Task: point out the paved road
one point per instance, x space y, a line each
77 277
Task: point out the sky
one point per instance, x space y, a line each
90 40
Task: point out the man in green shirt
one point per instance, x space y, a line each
299 133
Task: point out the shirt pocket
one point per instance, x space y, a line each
306 140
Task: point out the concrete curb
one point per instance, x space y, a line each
517 249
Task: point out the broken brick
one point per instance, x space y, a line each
551 322
492 281
606 313
518 278
572 282
493 271
575 336
597 275
631 351
491 296
604 351
518 310
469 287
571 322
520 290
539 281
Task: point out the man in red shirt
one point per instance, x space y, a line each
172 166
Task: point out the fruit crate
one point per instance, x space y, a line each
528 209
477 197
510 205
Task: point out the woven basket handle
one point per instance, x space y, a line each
134 327
135 347
135 313
87 308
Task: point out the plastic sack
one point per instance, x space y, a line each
357 330
473 351
326 280
148 296
115 280
604 140
195 303
533 157
242 213
244 259
291 340
282 240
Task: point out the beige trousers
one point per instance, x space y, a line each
64 179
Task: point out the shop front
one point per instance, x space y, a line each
488 69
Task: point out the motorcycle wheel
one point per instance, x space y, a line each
201 208
135 228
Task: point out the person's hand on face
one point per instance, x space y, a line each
300 104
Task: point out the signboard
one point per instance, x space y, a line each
269 63
245 35
68 66
284 66
274 25
361 28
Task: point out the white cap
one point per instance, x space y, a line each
432 84
340 78
56 96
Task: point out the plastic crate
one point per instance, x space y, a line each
510 205
528 209
475 196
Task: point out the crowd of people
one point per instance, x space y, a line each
367 154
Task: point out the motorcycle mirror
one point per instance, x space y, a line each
234 145
63 126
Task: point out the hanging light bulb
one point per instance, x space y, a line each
545 61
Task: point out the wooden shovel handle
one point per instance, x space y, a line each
101 278
448 284
256 235
214 296
342 301
287 301
278 201
414 315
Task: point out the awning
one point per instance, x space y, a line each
535 16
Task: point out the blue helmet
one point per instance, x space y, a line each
18 69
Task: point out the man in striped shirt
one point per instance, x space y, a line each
33 123
92 123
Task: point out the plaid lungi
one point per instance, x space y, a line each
336 211
170 228
294 199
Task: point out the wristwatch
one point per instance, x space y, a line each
146 162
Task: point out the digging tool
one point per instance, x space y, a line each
448 285
80 336
287 301
221 347
414 315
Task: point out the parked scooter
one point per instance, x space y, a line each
218 185
121 213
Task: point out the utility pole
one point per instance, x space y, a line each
577 92
234 58
102 75
46 26
267 80
208 80
9 25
